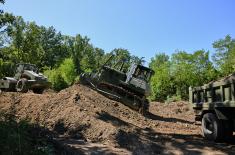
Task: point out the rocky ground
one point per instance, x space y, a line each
82 121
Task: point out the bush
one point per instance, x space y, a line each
6 68
68 71
63 76
56 79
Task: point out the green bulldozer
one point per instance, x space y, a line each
27 77
214 107
114 81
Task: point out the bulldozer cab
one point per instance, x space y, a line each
143 73
135 70
139 72
138 78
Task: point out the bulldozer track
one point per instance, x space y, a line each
142 108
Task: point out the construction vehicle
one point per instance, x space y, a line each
27 77
130 88
214 106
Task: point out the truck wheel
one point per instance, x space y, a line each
21 86
212 127
38 90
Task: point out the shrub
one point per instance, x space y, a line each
63 76
68 71
56 79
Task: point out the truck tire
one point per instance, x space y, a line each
21 86
212 127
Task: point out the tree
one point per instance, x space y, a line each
16 32
67 70
121 55
88 59
162 82
5 20
52 44
137 60
224 55
79 48
191 70
32 49
99 57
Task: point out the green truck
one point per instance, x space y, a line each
214 106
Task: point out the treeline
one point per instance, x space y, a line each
63 58
176 73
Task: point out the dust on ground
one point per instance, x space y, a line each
85 122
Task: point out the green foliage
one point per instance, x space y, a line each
63 76
56 79
68 71
190 70
6 68
174 76
122 55
161 82
224 55
55 51
5 18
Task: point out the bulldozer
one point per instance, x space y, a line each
128 87
27 77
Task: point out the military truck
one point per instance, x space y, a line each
214 106
129 87
27 77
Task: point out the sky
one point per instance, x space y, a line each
144 27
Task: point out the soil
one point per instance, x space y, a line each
82 121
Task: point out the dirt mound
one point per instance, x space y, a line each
87 122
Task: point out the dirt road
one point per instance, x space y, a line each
85 122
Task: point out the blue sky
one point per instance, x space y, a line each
144 27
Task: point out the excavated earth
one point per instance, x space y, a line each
82 121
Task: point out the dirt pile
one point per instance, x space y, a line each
87 122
